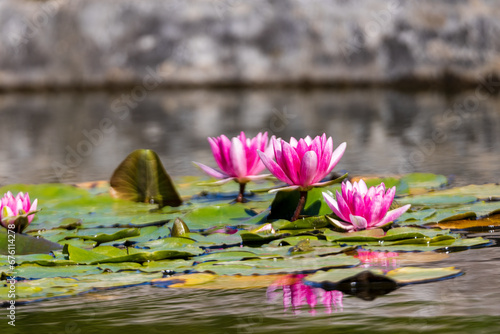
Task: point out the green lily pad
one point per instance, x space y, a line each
220 215
141 177
25 244
277 265
415 275
102 238
301 223
402 276
424 180
31 271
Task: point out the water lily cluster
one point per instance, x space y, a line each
303 164
17 212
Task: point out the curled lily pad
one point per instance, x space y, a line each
141 177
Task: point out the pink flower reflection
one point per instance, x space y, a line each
296 294
378 258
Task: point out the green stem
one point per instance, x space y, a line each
240 198
300 206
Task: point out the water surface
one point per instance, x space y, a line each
74 137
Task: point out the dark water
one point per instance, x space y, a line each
467 304
71 137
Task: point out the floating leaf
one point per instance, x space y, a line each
403 276
218 215
301 223
25 244
414 275
424 180
102 238
141 177
32 271
277 265
184 280
219 282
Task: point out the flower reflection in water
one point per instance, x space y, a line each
379 259
296 294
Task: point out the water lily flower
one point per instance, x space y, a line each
303 163
16 213
361 208
237 159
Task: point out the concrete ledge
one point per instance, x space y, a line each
107 43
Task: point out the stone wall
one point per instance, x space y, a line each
102 43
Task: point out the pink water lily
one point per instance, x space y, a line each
360 208
17 212
303 163
237 159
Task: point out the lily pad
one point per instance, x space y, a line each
402 276
141 177
25 244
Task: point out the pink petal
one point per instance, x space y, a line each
343 207
347 191
223 181
387 200
290 188
291 163
278 153
332 204
274 168
34 205
358 204
238 158
373 209
225 147
393 214
317 147
216 152
336 156
342 225
362 187
210 171
257 177
308 168
358 222
325 159
302 148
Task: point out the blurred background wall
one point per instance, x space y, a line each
410 85
110 43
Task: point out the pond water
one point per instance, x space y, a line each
75 137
